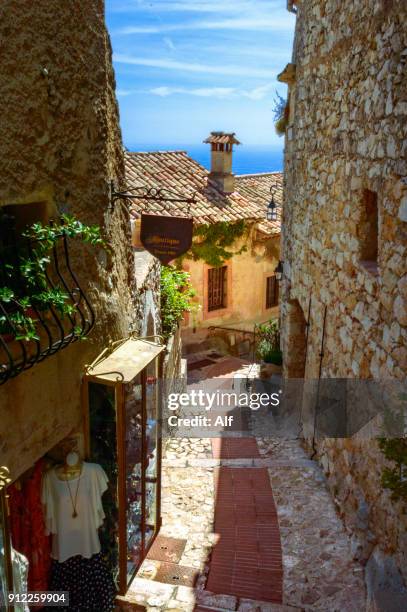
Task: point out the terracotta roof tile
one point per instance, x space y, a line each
221 138
181 176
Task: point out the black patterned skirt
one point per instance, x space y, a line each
88 581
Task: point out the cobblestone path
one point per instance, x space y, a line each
319 573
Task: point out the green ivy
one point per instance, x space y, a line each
47 235
395 478
212 242
176 298
27 281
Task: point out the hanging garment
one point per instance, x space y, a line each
27 526
74 535
89 582
20 572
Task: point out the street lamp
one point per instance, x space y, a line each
279 271
272 208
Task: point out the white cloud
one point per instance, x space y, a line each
202 92
259 23
194 6
168 64
169 43
258 93
121 93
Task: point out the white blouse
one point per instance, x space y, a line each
74 536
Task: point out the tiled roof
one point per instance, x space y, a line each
222 138
180 175
256 187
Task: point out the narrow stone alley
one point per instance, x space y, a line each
248 525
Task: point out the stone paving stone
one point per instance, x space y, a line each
319 572
149 593
225 602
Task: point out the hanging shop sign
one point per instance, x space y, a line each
166 237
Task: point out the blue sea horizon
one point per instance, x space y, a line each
247 159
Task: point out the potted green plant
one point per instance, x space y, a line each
268 349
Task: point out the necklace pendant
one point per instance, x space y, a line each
75 514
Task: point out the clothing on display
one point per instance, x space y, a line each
20 577
27 526
74 511
89 582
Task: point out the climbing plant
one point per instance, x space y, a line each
213 242
395 478
394 448
176 298
24 278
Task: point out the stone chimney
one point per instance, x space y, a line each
221 160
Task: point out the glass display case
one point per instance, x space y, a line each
122 415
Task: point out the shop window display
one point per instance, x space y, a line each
122 406
81 520
56 510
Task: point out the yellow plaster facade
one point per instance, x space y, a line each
245 304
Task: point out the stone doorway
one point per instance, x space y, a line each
295 341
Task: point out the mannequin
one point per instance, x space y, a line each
71 468
72 497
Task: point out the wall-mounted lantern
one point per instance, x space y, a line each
279 271
272 208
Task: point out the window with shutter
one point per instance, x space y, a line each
272 292
217 288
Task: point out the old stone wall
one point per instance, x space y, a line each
345 163
60 146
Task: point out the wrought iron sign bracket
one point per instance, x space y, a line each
4 477
155 194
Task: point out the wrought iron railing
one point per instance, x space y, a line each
243 344
53 330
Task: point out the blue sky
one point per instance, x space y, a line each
186 67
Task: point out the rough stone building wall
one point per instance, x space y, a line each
347 134
60 145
